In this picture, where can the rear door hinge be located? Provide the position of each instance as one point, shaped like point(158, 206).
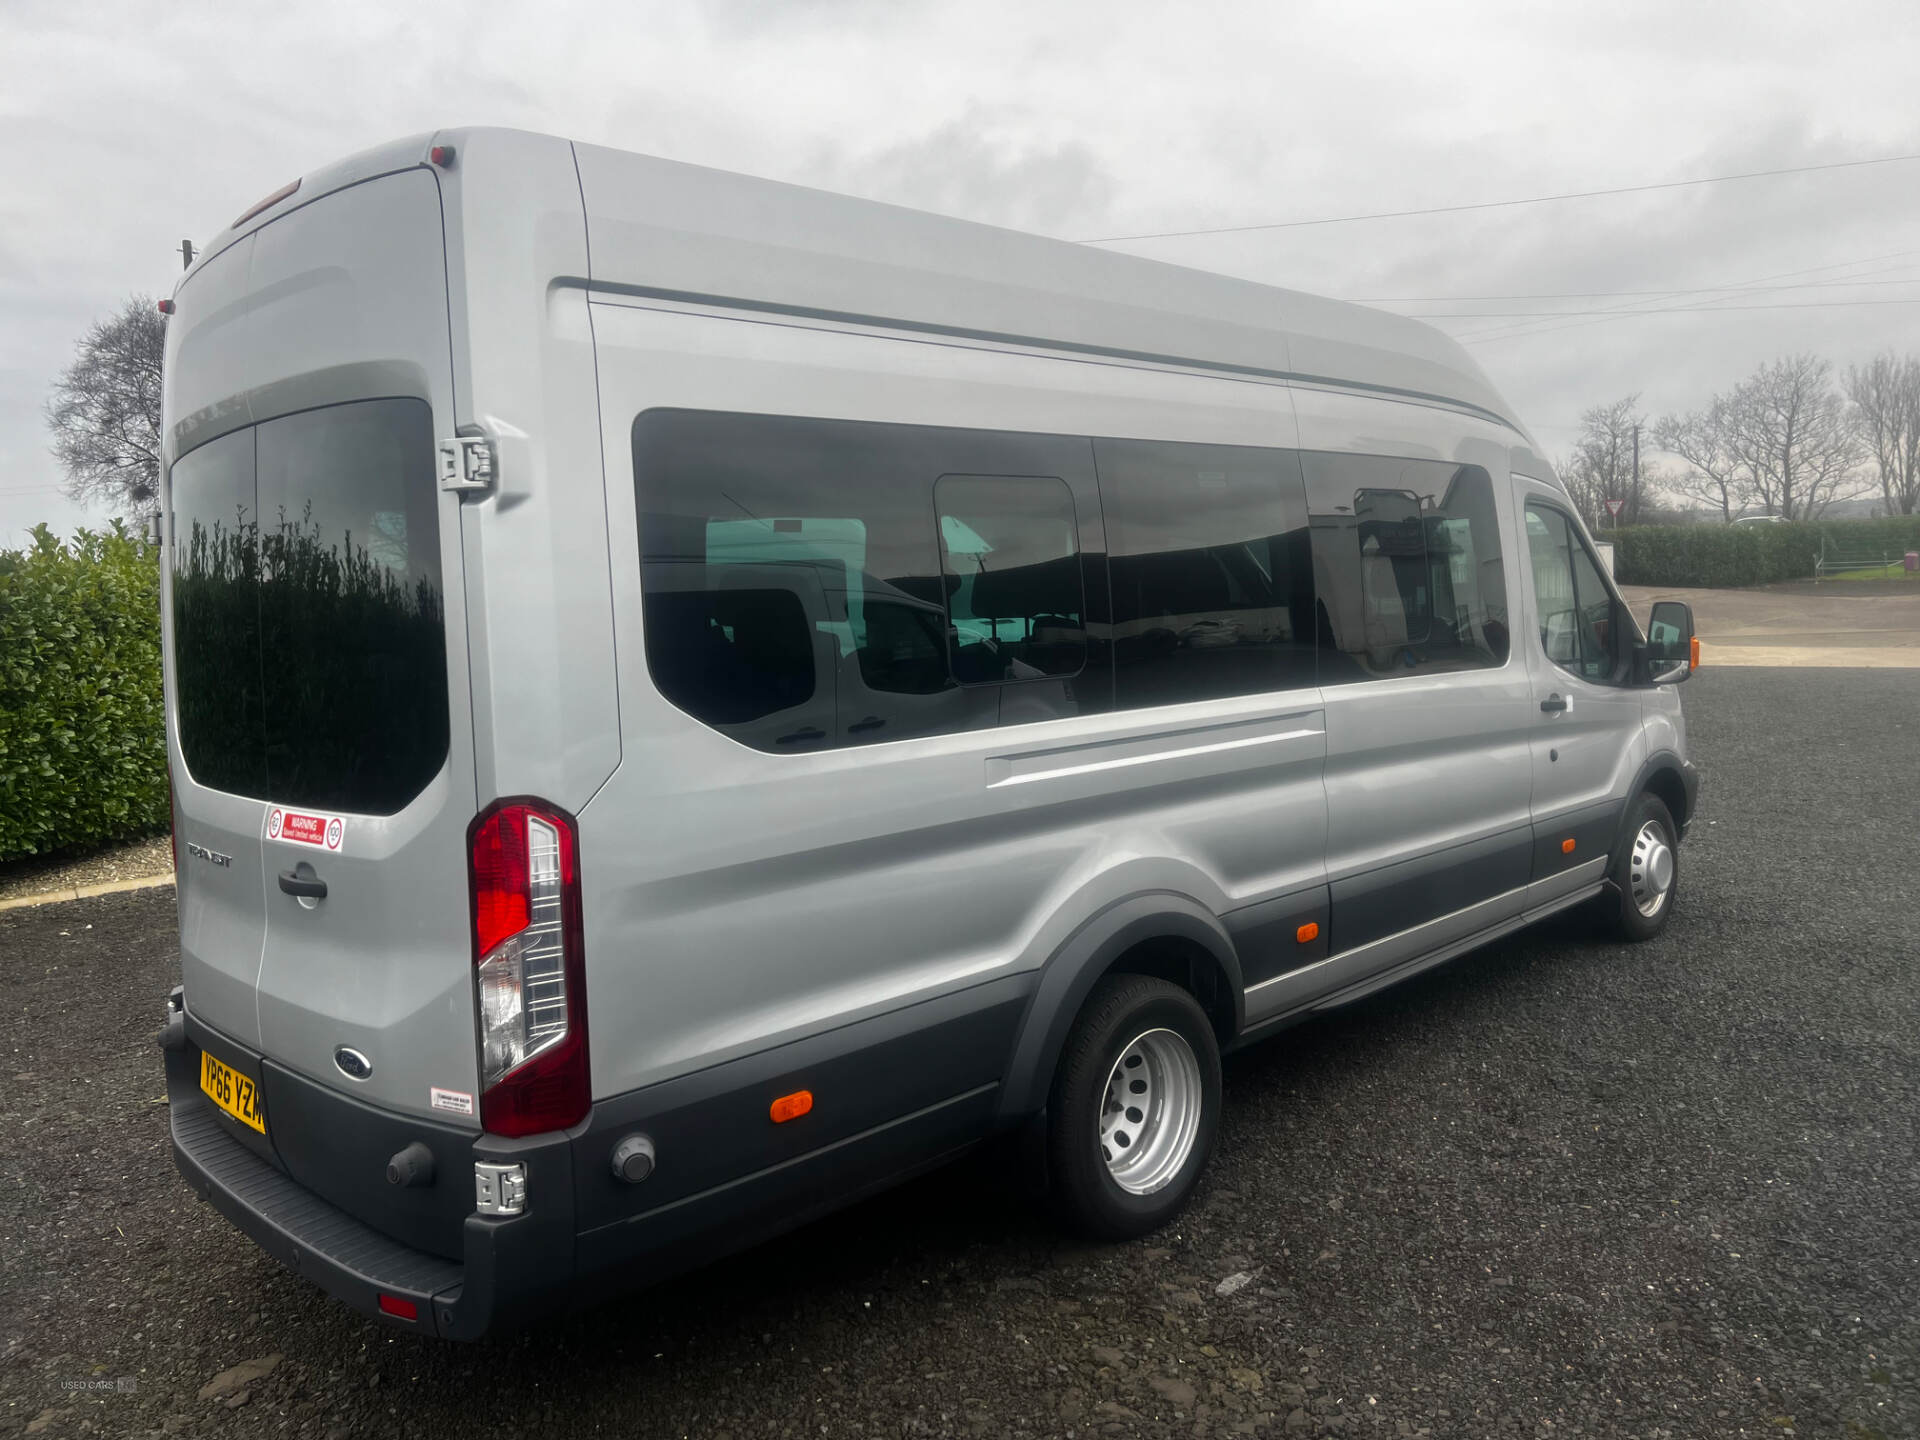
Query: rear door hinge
point(466, 463)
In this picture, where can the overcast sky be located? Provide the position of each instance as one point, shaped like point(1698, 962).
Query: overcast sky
point(125, 127)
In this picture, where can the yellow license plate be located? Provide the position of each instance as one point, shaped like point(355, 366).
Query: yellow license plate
point(232, 1092)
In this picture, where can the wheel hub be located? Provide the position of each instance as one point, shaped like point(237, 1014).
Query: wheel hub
point(1151, 1111)
point(1650, 869)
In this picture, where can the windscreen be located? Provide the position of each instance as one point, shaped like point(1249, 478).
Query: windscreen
point(309, 644)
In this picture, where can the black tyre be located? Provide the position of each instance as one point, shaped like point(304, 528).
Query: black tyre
point(1134, 1108)
point(1645, 872)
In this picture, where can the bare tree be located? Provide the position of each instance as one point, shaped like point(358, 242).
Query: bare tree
point(1604, 465)
point(1794, 438)
point(1782, 439)
point(1886, 412)
point(105, 411)
point(1704, 441)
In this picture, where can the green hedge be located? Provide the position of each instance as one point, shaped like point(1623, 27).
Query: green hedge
point(1712, 554)
point(83, 757)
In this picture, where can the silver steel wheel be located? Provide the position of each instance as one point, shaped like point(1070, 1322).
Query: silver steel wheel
point(1151, 1113)
point(1650, 869)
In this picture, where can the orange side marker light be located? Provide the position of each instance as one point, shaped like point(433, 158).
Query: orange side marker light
point(1694, 649)
point(1307, 932)
point(791, 1107)
point(1566, 847)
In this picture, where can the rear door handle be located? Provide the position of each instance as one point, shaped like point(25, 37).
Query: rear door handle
point(872, 722)
point(300, 885)
point(1555, 705)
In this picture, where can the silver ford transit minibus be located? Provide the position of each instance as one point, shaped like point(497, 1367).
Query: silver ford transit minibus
point(690, 699)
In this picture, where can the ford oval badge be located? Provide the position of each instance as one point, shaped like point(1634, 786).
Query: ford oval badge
point(352, 1063)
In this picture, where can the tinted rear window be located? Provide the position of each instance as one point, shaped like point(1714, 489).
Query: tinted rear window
point(309, 643)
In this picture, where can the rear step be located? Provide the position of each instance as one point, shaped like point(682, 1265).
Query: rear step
point(349, 1260)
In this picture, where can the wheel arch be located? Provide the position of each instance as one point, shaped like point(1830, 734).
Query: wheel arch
point(1665, 774)
point(1160, 933)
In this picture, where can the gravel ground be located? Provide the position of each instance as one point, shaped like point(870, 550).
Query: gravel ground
point(44, 873)
point(1556, 1188)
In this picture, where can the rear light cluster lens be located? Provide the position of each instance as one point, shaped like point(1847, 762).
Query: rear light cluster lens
point(530, 969)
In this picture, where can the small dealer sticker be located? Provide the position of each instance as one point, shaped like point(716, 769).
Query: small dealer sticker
point(302, 827)
point(458, 1101)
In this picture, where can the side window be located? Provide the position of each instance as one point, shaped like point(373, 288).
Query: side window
point(1209, 567)
point(1408, 573)
point(1014, 590)
point(1576, 608)
point(808, 584)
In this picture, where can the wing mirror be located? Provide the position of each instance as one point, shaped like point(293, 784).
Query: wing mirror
point(1671, 651)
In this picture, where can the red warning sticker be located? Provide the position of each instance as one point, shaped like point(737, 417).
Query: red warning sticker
point(301, 827)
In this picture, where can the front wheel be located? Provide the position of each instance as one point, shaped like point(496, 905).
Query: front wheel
point(1646, 871)
point(1134, 1107)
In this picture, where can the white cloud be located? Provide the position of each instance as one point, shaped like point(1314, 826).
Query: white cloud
point(125, 126)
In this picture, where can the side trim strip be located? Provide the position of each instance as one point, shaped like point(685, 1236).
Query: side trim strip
point(809, 1156)
point(1413, 967)
point(1129, 760)
point(1389, 939)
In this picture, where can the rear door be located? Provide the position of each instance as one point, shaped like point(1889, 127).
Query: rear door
point(322, 702)
point(217, 762)
point(362, 791)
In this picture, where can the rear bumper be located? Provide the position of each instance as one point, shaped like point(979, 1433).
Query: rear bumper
point(899, 1093)
point(511, 1269)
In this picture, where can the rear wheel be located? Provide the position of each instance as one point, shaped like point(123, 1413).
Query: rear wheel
point(1134, 1108)
point(1646, 871)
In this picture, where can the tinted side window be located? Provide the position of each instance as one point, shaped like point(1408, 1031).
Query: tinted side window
point(799, 575)
point(1211, 581)
point(1015, 594)
point(1407, 567)
point(216, 616)
point(1576, 608)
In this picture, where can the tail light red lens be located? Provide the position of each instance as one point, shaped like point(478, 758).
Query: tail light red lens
point(529, 968)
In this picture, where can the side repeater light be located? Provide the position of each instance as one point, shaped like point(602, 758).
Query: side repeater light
point(791, 1107)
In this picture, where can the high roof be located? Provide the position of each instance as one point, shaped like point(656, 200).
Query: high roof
point(662, 227)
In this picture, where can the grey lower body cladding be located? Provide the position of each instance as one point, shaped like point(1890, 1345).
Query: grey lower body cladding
point(893, 1095)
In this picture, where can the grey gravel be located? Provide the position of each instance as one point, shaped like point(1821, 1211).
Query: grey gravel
point(1560, 1187)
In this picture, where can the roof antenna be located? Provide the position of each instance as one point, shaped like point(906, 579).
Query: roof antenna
point(186, 254)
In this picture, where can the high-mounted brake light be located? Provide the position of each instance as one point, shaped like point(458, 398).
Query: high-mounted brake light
point(529, 966)
point(267, 204)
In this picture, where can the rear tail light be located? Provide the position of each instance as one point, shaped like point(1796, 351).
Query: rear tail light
point(529, 969)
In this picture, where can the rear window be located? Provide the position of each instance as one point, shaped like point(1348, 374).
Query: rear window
point(309, 644)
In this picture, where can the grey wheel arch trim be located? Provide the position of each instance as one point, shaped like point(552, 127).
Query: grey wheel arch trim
point(1071, 973)
point(1675, 773)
